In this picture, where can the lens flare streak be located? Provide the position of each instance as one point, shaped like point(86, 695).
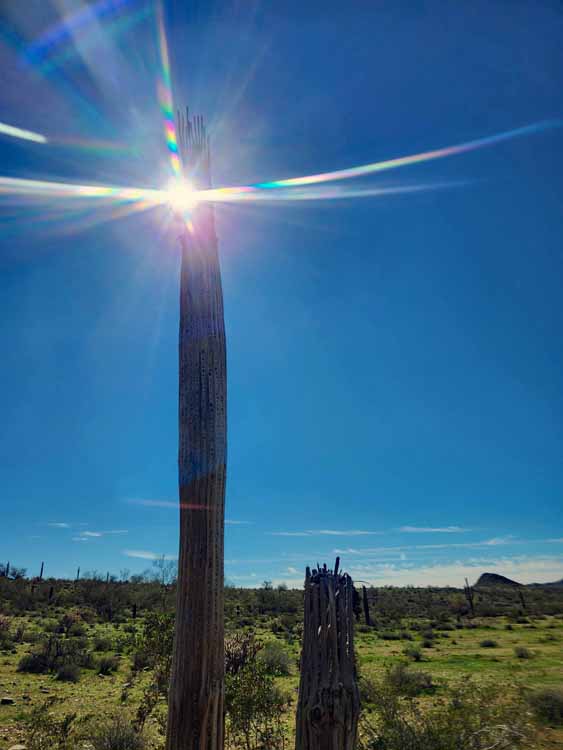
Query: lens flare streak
point(26, 135)
point(294, 189)
point(41, 189)
point(165, 96)
point(405, 161)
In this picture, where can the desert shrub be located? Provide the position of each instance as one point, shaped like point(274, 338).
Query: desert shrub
point(107, 664)
point(255, 709)
point(414, 653)
point(402, 680)
point(521, 652)
point(68, 673)
point(388, 635)
point(102, 643)
point(6, 638)
point(427, 643)
point(55, 652)
point(153, 645)
point(240, 650)
point(508, 626)
point(547, 705)
point(275, 658)
point(488, 643)
point(474, 716)
point(77, 629)
point(117, 734)
point(47, 731)
point(34, 663)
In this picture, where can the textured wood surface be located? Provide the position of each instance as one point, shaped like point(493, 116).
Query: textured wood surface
point(195, 715)
point(329, 701)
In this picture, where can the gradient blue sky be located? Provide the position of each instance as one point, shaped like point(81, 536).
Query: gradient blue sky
point(395, 363)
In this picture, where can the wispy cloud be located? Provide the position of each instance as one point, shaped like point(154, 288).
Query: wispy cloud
point(153, 503)
point(59, 525)
point(98, 534)
point(147, 555)
point(433, 529)
point(291, 570)
point(325, 532)
point(174, 504)
point(346, 532)
point(523, 569)
point(494, 542)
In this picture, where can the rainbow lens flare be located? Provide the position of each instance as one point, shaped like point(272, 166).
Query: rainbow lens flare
point(165, 96)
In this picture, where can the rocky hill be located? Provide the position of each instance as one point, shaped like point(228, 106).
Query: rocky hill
point(494, 579)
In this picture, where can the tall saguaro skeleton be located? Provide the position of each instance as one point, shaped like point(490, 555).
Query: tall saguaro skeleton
point(195, 713)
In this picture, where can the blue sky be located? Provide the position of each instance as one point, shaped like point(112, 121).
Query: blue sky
point(395, 362)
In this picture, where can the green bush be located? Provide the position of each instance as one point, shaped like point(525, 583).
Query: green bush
point(6, 637)
point(405, 681)
point(547, 705)
point(33, 663)
point(117, 734)
point(474, 716)
point(413, 653)
point(107, 664)
point(47, 731)
point(102, 643)
point(488, 643)
point(255, 709)
point(68, 673)
point(275, 659)
point(388, 635)
point(523, 653)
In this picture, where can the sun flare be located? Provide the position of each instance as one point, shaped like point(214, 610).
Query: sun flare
point(181, 195)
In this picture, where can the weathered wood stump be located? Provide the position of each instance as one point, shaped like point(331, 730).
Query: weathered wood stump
point(329, 701)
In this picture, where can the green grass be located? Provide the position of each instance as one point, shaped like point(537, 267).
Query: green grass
point(450, 659)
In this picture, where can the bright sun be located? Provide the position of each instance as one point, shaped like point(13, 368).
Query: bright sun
point(181, 195)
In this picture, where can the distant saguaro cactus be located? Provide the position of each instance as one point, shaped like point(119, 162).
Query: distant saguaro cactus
point(329, 700)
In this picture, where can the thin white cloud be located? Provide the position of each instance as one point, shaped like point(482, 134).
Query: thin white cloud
point(147, 555)
point(59, 525)
point(292, 570)
point(325, 532)
point(348, 532)
point(153, 503)
point(433, 529)
point(522, 569)
point(98, 534)
point(148, 503)
point(79, 539)
point(494, 542)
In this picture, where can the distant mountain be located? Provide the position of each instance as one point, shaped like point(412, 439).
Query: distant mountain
point(551, 583)
point(494, 579)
